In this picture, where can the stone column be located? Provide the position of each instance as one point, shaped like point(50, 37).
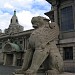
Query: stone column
point(14, 59)
point(26, 44)
point(23, 42)
point(55, 14)
point(5, 57)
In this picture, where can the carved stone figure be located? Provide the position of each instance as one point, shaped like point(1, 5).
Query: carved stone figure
point(42, 45)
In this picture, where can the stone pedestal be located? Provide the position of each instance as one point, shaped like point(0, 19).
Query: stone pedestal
point(52, 74)
point(67, 73)
point(19, 74)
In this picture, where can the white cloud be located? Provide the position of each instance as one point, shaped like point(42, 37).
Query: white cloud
point(4, 20)
point(7, 5)
point(26, 9)
point(25, 17)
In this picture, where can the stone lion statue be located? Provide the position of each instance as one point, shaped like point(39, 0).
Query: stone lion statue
point(42, 45)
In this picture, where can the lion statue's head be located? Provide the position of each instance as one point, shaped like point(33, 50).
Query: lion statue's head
point(39, 21)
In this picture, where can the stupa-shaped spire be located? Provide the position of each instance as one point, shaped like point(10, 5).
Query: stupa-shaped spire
point(14, 19)
point(15, 12)
point(14, 26)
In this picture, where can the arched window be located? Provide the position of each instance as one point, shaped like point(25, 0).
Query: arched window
point(11, 20)
point(16, 21)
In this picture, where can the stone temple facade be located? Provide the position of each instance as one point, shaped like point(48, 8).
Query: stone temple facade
point(14, 41)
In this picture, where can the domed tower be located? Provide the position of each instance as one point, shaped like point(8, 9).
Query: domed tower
point(14, 26)
point(14, 19)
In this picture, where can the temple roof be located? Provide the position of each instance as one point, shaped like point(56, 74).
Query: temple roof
point(9, 47)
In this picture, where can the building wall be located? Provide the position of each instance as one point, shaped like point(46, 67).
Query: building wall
point(67, 37)
point(20, 39)
point(69, 64)
point(1, 54)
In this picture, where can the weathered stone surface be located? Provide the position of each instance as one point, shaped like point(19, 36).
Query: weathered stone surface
point(42, 45)
point(19, 74)
point(68, 73)
point(54, 74)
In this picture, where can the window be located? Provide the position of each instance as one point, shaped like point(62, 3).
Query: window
point(68, 53)
point(21, 42)
point(11, 20)
point(67, 19)
point(16, 21)
point(0, 45)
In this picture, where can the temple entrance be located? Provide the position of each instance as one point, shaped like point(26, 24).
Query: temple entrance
point(9, 59)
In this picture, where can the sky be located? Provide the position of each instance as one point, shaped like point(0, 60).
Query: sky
point(25, 10)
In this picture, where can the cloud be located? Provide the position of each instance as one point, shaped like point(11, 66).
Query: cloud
point(26, 9)
point(7, 5)
point(24, 18)
point(4, 20)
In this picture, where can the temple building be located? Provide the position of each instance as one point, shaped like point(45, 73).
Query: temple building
point(13, 43)
point(63, 13)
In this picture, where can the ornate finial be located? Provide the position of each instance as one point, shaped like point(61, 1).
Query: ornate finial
point(14, 12)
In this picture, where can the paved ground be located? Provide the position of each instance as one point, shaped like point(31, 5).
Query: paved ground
point(7, 70)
